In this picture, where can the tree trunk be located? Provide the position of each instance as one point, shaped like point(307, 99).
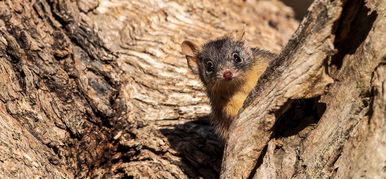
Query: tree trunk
point(319, 110)
point(100, 89)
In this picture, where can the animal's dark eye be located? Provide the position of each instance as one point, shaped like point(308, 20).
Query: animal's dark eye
point(237, 58)
point(209, 66)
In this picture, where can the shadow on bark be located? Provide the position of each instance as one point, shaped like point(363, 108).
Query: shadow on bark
point(352, 29)
point(199, 146)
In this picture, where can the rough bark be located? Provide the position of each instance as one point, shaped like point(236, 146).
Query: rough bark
point(319, 111)
point(100, 89)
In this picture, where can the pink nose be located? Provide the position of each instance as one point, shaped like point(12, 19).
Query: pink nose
point(227, 75)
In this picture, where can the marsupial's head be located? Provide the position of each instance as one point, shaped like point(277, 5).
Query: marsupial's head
point(221, 63)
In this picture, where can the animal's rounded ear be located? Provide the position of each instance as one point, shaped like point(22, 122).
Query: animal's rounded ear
point(238, 35)
point(190, 50)
point(192, 64)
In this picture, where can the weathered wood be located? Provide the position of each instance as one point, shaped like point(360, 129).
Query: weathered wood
point(340, 40)
point(101, 89)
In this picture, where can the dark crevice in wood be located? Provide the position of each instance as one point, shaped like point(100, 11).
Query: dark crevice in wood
point(351, 29)
point(301, 113)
